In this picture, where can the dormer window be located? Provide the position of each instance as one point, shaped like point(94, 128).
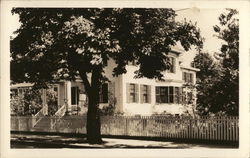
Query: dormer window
point(188, 77)
point(172, 62)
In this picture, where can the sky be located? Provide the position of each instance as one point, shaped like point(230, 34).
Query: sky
point(206, 19)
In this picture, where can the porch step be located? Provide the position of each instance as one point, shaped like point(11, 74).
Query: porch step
point(43, 124)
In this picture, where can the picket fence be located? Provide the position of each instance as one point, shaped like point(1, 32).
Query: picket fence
point(203, 128)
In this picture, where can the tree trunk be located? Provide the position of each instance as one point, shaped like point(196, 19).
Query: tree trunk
point(93, 116)
point(93, 121)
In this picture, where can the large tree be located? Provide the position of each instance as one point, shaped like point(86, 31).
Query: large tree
point(218, 79)
point(228, 32)
point(54, 44)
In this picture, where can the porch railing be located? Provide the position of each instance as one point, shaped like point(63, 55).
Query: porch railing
point(39, 115)
point(58, 115)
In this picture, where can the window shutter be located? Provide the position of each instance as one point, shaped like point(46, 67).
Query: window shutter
point(191, 78)
point(186, 77)
point(174, 65)
point(100, 95)
point(149, 94)
point(105, 92)
point(77, 95)
point(183, 96)
point(176, 94)
point(183, 76)
point(111, 91)
point(141, 93)
point(180, 95)
point(136, 93)
point(73, 95)
point(157, 94)
point(127, 92)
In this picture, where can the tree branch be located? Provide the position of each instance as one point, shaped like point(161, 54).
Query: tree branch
point(86, 83)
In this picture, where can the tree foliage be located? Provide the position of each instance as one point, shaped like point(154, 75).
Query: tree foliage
point(218, 82)
point(27, 103)
point(55, 44)
point(62, 41)
point(228, 31)
point(206, 83)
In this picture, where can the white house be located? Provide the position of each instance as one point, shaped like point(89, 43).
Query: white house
point(132, 96)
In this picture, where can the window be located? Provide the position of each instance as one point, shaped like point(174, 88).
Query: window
point(74, 95)
point(132, 93)
point(103, 97)
point(171, 61)
point(145, 94)
point(168, 95)
point(187, 77)
point(189, 97)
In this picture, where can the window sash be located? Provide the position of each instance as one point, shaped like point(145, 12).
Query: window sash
point(145, 93)
point(132, 93)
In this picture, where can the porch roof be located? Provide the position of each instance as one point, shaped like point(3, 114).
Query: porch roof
point(21, 85)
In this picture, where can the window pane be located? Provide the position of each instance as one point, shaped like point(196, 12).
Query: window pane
point(132, 88)
point(132, 97)
point(145, 88)
point(157, 90)
point(158, 99)
point(171, 94)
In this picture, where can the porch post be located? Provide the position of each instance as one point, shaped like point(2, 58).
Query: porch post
point(68, 96)
point(44, 102)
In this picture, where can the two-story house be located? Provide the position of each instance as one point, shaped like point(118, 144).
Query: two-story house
point(132, 96)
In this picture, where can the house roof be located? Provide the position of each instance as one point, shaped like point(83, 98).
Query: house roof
point(177, 49)
point(190, 68)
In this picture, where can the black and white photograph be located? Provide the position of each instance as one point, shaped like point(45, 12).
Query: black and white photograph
point(125, 78)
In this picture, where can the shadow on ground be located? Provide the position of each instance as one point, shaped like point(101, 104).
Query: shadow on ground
point(50, 141)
